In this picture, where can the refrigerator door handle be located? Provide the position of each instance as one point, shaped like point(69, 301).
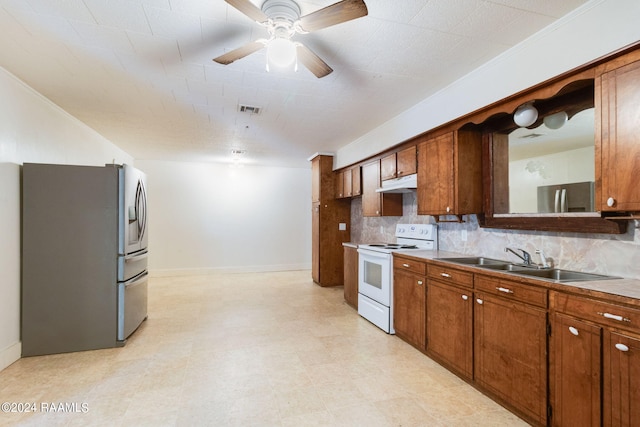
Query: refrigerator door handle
point(563, 201)
point(136, 257)
point(557, 202)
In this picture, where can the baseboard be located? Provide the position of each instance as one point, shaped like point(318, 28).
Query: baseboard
point(10, 354)
point(218, 270)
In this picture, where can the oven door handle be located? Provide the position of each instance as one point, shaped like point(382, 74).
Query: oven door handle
point(374, 254)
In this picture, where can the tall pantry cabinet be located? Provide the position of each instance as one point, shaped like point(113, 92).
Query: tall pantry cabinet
point(330, 224)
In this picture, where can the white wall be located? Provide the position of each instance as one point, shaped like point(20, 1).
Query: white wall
point(207, 217)
point(32, 129)
point(592, 31)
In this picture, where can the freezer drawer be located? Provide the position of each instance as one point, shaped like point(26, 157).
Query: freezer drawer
point(132, 305)
point(132, 265)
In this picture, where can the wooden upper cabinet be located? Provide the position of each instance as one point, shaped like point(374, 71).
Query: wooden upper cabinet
point(322, 178)
point(388, 167)
point(407, 161)
point(356, 181)
point(402, 163)
point(450, 174)
point(348, 183)
point(618, 139)
point(340, 191)
point(374, 203)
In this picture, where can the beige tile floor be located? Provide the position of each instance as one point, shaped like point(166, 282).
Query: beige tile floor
point(269, 349)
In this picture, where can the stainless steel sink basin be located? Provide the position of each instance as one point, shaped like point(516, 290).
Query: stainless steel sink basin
point(505, 267)
point(474, 261)
point(563, 275)
point(556, 274)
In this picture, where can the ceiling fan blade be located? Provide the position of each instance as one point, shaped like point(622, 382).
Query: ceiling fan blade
point(337, 13)
point(240, 52)
point(312, 61)
point(249, 9)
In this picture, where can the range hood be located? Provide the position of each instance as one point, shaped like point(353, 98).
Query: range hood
point(404, 184)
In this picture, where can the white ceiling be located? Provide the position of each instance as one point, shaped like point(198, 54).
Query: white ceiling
point(140, 72)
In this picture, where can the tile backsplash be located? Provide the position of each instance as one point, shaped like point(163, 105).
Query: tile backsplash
point(617, 255)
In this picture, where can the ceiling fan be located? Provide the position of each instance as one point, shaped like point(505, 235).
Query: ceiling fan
point(282, 20)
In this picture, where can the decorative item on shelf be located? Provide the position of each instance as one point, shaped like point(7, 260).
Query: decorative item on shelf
point(556, 121)
point(525, 115)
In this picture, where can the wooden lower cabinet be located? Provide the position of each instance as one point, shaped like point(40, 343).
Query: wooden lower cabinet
point(574, 372)
point(621, 352)
point(510, 353)
point(351, 276)
point(450, 326)
point(594, 365)
point(409, 283)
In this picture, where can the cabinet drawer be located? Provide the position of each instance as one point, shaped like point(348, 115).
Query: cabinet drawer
point(601, 312)
point(410, 265)
point(512, 290)
point(448, 274)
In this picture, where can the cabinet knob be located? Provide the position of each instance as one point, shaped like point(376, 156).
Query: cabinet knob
point(622, 347)
point(419, 282)
point(465, 297)
point(448, 209)
point(479, 301)
point(611, 201)
point(574, 331)
point(377, 212)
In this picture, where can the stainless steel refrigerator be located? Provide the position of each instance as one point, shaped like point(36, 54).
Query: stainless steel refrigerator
point(84, 256)
point(574, 197)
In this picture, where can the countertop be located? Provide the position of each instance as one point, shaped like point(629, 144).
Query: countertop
point(625, 291)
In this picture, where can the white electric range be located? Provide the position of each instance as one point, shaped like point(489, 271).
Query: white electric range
point(375, 271)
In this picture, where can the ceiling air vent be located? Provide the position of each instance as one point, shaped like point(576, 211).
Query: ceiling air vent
point(251, 109)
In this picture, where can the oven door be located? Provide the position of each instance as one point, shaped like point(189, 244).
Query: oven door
point(374, 275)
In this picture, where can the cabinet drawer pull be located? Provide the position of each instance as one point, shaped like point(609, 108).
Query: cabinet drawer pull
point(445, 275)
point(505, 290)
point(406, 265)
point(479, 301)
point(622, 347)
point(574, 331)
point(464, 297)
point(614, 317)
point(419, 282)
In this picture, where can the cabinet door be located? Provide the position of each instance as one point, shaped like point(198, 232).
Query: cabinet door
point(340, 190)
point(407, 161)
point(347, 183)
point(575, 365)
point(619, 144)
point(370, 181)
point(315, 242)
point(449, 326)
point(511, 353)
point(356, 181)
point(408, 307)
point(435, 176)
point(388, 167)
point(621, 380)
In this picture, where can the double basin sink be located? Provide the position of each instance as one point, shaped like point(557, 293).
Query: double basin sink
point(533, 271)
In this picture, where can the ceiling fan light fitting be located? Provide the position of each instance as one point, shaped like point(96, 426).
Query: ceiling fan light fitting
point(281, 53)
